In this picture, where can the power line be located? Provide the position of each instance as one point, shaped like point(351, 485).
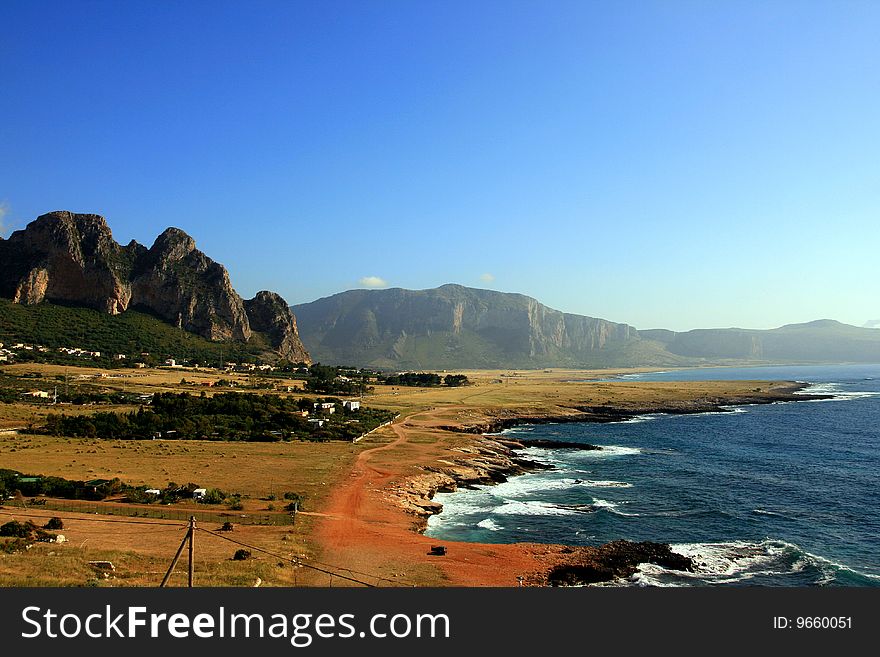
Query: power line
point(179, 526)
point(297, 562)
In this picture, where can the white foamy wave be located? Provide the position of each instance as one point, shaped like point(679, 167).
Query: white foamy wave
point(490, 524)
point(458, 503)
point(600, 505)
point(610, 450)
point(766, 512)
point(532, 508)
point(637, 419)
point(611, 507)
point(736, 562)
point(835, 389)
point(600, 483)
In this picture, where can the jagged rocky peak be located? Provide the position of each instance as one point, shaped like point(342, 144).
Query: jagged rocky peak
point(69, 257)
point(174, 244)
point(269, 313)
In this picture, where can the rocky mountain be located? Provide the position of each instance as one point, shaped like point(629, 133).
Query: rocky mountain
point(822, 340)
point(455, 327)
point(70, 258)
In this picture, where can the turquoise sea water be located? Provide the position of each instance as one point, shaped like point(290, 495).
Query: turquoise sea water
point(781, 494)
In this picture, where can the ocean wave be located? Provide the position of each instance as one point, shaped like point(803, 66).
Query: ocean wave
point(532, 508)
point(610, 450)
point(600, 505)
point(490, 524)
point(766, 512)
point(738, 562)
point(835, 389)
point(527, 484)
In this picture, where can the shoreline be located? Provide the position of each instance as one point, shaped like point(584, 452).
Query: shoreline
point(383, 509)
point(789, 391)
point(495, 457)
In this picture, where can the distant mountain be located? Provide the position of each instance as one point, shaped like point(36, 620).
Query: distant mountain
point(455, 327)
point(73, 259)
point(872, 323)
point(824, 340)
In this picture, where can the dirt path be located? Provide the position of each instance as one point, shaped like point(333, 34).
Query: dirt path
point(364, 529)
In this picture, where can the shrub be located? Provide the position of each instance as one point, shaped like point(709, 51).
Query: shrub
point(241, 555)
point(13, 546)
point(227, 527)
point(54, 523)
point(214, 496)
point(18, 529)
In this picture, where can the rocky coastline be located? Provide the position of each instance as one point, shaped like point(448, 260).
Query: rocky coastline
point(622, 411)
point(491, 459)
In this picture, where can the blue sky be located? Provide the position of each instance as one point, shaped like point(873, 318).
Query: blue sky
point(669, 164)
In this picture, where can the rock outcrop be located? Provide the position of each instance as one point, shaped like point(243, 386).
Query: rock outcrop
point(72, 258)
point(270, 314)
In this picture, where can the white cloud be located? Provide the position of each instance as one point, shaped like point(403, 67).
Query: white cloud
point(487, 277)
point(373, 281)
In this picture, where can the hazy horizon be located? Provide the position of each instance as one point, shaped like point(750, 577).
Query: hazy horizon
point(670, 165)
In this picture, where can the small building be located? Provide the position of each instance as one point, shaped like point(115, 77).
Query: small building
point(320, 423)
point(153, 491)
point(199, 493)
point(120, 357)
point(39, 394)
point(351, 405)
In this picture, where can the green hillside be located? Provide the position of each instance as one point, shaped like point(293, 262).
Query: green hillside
point(130, 333)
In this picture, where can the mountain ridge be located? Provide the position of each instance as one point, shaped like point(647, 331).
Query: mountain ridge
point(454, 326)
point(66, 257)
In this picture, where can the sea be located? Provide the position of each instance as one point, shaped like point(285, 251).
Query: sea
point(783, 494)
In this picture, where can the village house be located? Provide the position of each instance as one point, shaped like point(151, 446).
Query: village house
point(325, 407)
point(351, 405)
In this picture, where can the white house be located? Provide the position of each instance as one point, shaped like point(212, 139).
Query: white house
point(199, 493)
point(153, 491)
point(351, 405)
point(320, 423)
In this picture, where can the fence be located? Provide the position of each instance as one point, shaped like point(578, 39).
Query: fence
point(157, 511)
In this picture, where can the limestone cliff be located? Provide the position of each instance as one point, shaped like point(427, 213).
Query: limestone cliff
point(72, 258)
point(458, 327)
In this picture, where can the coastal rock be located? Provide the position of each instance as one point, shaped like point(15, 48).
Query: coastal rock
point(483, 462)
point(618, 559)
point(71, 258)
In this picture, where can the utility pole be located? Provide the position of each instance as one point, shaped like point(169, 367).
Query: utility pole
point(187, 539)
point(192, 533)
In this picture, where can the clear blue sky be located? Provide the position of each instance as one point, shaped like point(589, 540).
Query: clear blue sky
point(669, 164)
